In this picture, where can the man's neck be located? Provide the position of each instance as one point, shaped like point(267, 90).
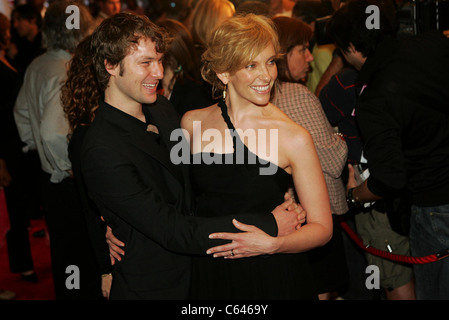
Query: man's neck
point(133, 109)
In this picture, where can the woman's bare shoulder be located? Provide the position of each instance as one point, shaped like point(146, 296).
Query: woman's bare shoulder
point(293, 139)
point(197, 115)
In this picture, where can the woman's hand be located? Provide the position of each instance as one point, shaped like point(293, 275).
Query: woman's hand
point(115, 252)
point(106, 283)
point(252, 242)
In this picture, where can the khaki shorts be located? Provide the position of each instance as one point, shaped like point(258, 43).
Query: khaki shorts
point(374, 229)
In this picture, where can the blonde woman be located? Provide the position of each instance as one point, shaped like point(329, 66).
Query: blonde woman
point(228, 176)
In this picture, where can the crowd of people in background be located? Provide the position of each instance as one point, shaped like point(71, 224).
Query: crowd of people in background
point(361, 113)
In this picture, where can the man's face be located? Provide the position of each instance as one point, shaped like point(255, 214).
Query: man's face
point(22, 26)
point(134, 81)
point(110, 7)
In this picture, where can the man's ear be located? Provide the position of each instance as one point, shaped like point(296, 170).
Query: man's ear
point(113, 70)
point(224, 77)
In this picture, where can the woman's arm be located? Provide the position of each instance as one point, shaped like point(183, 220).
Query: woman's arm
point(312, 193)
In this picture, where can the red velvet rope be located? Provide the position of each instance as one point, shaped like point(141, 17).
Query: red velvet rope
point(391, 256)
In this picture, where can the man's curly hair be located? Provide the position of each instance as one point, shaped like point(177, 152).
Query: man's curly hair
point(111, 42)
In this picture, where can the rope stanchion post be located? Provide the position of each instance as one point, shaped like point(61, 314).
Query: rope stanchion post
point(391, 256)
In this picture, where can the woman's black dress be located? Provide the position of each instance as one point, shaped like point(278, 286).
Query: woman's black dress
point(223, 189)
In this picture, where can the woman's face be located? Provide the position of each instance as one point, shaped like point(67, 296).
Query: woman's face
point(298, 60)
point(253, 83)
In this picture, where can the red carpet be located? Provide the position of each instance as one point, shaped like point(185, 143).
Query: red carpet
point(40, 249)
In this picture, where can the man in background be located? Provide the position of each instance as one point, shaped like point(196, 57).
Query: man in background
point(402, 115)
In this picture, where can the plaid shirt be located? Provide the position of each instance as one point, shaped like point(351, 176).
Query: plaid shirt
point(303, 107)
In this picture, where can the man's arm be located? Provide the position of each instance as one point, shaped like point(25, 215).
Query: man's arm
point(334, 67)
point(380, 129)
point(117, 248)
point(116, 188)
point(22, 119)
point(54, 129)
point(360, 193)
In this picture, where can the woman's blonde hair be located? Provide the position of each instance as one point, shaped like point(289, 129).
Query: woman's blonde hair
point(235, 43)
point(205, 17)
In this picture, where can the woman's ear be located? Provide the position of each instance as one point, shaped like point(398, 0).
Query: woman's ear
point(224, 77)
point(111, 69)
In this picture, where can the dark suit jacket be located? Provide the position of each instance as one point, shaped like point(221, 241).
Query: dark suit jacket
point(147, 202)
point(96, 227)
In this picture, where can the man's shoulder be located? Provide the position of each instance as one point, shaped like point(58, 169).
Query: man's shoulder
point(347, 78)
point(161, 106)
point(103, 128)
point(49, 65)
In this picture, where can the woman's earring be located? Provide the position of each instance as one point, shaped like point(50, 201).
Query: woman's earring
point(224, 91)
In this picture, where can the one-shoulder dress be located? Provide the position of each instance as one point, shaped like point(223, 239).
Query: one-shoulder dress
point(231, 188)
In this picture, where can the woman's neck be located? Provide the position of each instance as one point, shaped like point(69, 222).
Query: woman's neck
point(238, 110)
